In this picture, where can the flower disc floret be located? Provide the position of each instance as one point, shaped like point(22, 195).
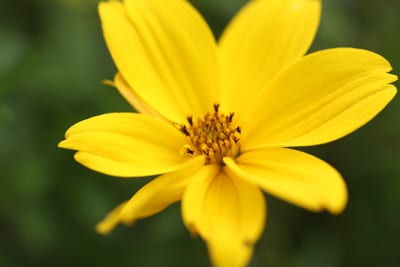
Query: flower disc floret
point(215, 136)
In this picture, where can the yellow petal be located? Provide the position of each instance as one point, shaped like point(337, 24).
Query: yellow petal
point(161, 192)
point(111, 220)
point(151, 198)
point(166, 52)
point(294, 176)
point(324, 96)
point(228, 213)
point(263, 38)
point(130, 95)
point(191, 204)
point(126, 144)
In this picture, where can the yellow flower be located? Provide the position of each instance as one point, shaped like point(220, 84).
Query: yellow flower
point(217, 118)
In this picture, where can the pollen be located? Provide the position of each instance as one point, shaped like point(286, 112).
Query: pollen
point(216, 135)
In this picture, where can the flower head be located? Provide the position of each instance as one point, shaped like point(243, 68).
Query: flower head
point(217, 118)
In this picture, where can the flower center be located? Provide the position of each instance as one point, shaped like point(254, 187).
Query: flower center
point(215, 136)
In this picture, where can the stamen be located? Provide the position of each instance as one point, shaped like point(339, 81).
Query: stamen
point(190, 120)
point(231, 116)
point(189, 151)
point(215, 136)
point(184, 130)
point(216, 108)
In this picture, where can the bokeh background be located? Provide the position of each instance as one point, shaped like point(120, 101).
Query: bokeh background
point(52, 61)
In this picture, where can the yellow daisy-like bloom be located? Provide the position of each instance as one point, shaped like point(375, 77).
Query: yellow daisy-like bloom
point(217, 118)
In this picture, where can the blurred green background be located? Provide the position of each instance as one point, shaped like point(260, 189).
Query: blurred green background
point(52, 61)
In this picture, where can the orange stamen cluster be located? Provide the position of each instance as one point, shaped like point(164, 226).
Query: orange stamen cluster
point(215, 136)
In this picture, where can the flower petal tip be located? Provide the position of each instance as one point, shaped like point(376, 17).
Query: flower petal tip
point(108, 83)
point(108, 224)
point(111, 220)
point(234, 254)
point(337, 202)
point(339, 207)
point(62, 144)
point(103, 228)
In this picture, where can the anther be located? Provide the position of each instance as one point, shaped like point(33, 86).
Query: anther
point(238, 129)
point(184, 130)
point(231, 116)
point(190, 120)
point(216, 108)
point(189, 151)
